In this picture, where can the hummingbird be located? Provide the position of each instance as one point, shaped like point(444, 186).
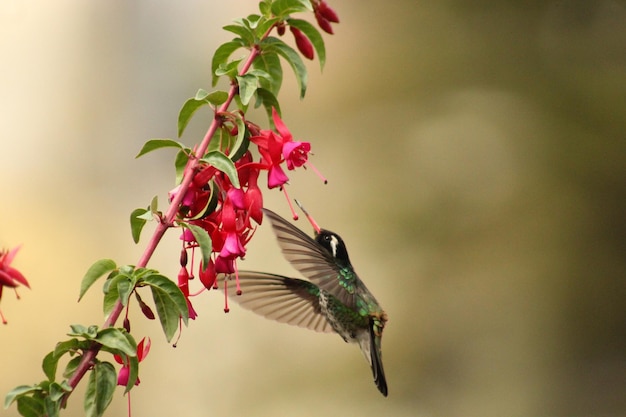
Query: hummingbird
point(332, 298)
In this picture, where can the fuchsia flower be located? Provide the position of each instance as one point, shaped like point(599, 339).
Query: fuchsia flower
point(9, 276)
point(143, 348)
point(228, 217)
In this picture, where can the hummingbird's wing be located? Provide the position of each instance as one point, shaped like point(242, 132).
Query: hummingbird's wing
point(313, 261)
point(286, 300)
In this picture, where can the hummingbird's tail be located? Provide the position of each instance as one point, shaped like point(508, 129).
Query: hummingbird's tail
point(376, 360)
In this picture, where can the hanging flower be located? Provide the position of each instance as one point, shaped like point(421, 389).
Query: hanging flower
point(9, 276)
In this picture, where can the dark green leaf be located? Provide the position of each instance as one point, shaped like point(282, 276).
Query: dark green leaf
point(111, 294)
point(180, 163)
point(18, 392)
point(49, 366)
point(241, 143)
point(292, 57)
point(30, 407)
point(204, 240)
point(314, 36)
point(282, 8)
point(94, 272)
point(57, 391)
point(224, 164)
point(268, 100)
point(116, 340)
point(247, 86)
point(169, 301)
point(153, 144)
point(71, 366)
point(100, 389)
point(133, 373)
point(221, 55)
point(52, 407)
point(187, 111)
point(270, 64)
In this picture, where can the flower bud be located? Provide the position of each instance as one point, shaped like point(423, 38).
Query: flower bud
point(304, 44)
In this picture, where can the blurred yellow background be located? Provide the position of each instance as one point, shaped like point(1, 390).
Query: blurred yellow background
point(476, 164)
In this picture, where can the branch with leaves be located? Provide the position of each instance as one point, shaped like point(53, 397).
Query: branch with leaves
point(216, 205)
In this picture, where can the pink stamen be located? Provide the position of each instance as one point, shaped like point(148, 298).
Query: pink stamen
point(239, 292)
point(226, 309)
point(319, 174)
point(200, 291)
point(4, 321)
point(308, 216)
point(293, 211)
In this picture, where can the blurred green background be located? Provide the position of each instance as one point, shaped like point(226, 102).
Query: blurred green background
point(476, 162)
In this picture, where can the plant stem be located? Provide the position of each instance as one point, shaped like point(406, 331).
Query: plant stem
point(166, 222)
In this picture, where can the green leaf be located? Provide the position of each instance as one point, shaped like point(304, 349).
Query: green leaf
point(78, 330)
point(52, 407)
point(270, 64)
point(217, 97)
point(314, 36)
point(272, 44)
point(187, 111)
point(204, 240)
point(153, 144)
point(268, 100)
point(170, 303)
point(117, 340)
point(18, 392)
point(133, 373)
point(224, 164)
point(230, 69)
point(62, 348)
point(265, 7)
point(137, 222)
point(221, 55)
point(247, 86)
point(94, 272)
point(100, 389)
point(246, 35)
point(118, 288)
point(57, 391)
point(49, 366)
point(264, 25)
point(282, 8)
point(71, 366)
point(242, 142)
point(180, 162)
point(30, 406)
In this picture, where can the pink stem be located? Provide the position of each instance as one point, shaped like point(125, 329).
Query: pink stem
point(166, 222)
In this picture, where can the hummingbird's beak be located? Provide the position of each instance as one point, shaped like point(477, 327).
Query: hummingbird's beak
point(308, 216)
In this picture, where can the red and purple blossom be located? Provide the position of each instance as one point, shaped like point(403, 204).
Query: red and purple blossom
point(9, 276)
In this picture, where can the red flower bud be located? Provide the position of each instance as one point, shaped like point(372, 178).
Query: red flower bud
point(327, 12)
point(324, 23)
point(280, 28)
point(304, 44)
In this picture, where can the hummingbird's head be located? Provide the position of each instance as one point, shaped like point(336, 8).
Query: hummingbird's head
point(333, 243)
